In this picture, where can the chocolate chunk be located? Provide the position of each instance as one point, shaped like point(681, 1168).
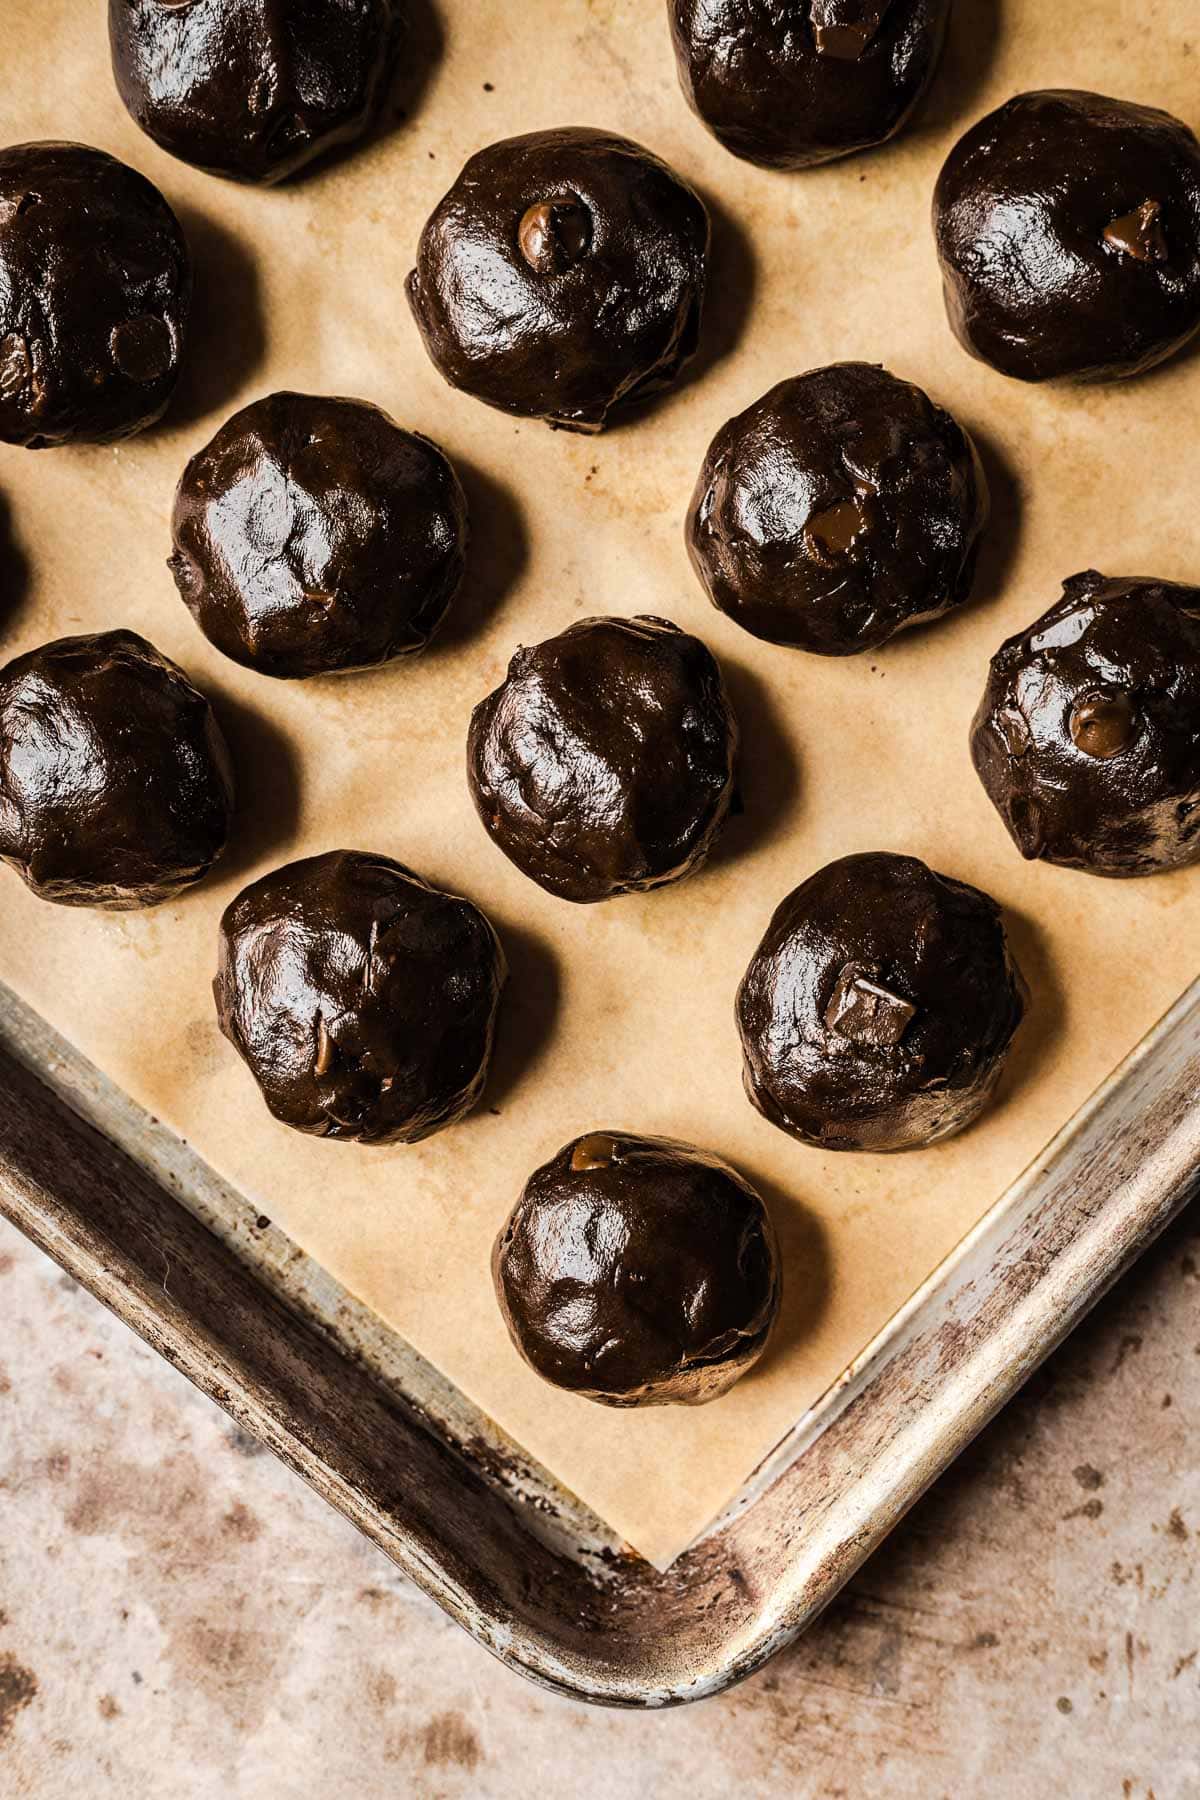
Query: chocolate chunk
point(1106, 685)
point(604, 763)
point(313, 535)
point(640, 1277)
point(561, 276)
point(840, 508)
point(1139, 233)
point(362, 999)
point(791, 86)
point(879, 1008)
point(95, 292)
point(1068, 229)
point(116, 788)
point(253, 89)
point(866, 1012)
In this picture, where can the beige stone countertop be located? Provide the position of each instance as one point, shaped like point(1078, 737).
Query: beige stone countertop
point(180, 1617)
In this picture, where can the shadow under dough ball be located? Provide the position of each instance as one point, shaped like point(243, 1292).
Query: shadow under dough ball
point(116, 787)
point(313, 535)
point(95, 292)
point(879, 1008)
point(1087, 739)
point(605, 761)
point(793, 83)
point(837, 510)
point(562, 275)
point(1068, 230)
point(362, 999)
point(252, 89)
point(638, 1272)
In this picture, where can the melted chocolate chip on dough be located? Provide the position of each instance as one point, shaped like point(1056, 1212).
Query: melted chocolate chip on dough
point(879, 1008)
point(562, 275)
point(252, 89)
point(839, 509)
point(638, 1272)
point(1068, 228)
point(802, 82)
point(604, 763)
point(362, 999)
point(1087, 739)
point(313, 535)
point(95, 292)
point(116, 788)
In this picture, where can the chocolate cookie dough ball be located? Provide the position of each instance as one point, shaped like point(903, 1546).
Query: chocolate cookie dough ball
point(313, 535)
point(95, 291)
point(638, 1272)
point(792, 83)
point(604, 763)
point(1068, 229)
point(116, 788)
point(362, 999)
point(1087, 739)
point(879, 1008)
point(252, 88)
point(837, 510)
point(562, 275)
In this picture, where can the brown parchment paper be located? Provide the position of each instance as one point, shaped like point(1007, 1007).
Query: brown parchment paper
point(619, 1015)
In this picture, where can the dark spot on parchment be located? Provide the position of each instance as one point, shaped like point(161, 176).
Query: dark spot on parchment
point(1184, 1663)
point(1091, 1509)
point(1130, 1344)
point(107, 1707)
point(18, 1686)
point(984, 1640)
point(1063, 1704)
point(5, 1383)
point(1088, 1477)
point(1176, 1526)
point(448, 1741)
point(6, 1263)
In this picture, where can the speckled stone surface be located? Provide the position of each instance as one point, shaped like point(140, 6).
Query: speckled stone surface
point(180, 1617)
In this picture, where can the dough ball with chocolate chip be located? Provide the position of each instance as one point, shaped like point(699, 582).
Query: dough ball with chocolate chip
point(879, 1008)
point(313, 535)
point(604, 763)
point(1087, 739)
point(362, 999)
point(116, 787)
point(792, 83)
point(252, 88)
point(562, 275)
point(837, 510)
point(95, 291)
point(1068, 229)
point(638, 1272)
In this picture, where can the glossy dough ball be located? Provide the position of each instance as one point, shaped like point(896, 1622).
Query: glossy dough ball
point(562, 275)
point(362, 999)
point(837, 510)
point(1068, 228)
point(604, 763)
point(791, 83)
point(95, 291)
point(638, 1272)
point(1088, 735)
point(116, 788)
point(879, 1008)
point(252, 88)
point(314, 535)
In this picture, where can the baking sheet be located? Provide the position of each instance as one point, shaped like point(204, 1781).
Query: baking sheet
point(620, 1015)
